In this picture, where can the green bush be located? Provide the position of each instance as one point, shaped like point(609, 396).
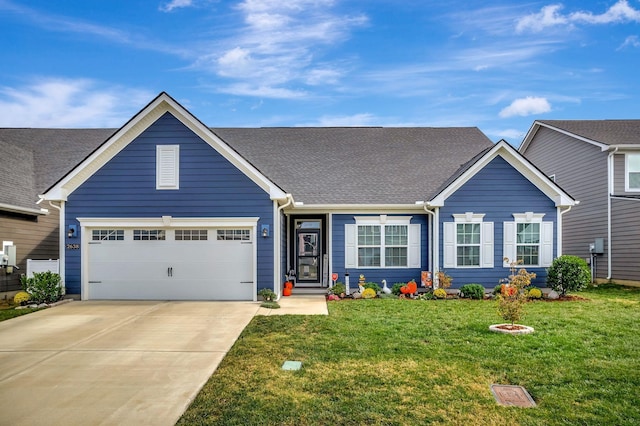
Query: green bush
point(44, 287)
point(267, 294)
point(396, 288)
point(568, 273)
point(337, 289)
point(472, 291)
point(374, 286)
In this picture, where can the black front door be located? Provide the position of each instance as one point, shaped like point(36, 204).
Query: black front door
point(308, 252)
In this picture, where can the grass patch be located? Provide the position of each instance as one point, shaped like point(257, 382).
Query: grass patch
point(8, 312)
point(403, 362)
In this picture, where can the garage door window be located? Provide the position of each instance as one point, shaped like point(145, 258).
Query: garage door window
point(191, 235)
point(107, 235)
point(234, 235)
point(148, 234)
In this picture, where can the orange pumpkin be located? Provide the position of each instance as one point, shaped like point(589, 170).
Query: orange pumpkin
point(286, 292)
point(288, 284)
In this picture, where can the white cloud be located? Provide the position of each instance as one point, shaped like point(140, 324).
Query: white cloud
point(550, 16)
point(355, 120)
point(526, 106)
point(175, 4)
point(52, 102)
point(631, 41)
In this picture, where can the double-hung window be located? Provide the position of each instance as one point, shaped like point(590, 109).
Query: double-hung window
point(382, 242)
point(528, 240)
point(468, 242)
point(632, 177)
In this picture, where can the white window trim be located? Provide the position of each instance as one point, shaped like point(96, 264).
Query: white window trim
point(450, 241)
point(545, 254)
point(413, 241)
point(167, 167)
point(627, 188)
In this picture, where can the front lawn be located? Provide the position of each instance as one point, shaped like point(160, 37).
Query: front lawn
point(405, 362)
point(8, 312)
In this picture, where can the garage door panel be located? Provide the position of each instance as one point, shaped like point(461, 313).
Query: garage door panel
point(171, 270)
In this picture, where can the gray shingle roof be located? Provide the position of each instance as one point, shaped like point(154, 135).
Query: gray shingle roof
point(609, 132)
point(34, 159)
point(370, 165)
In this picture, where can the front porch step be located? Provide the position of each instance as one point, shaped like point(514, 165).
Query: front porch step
point(309, 290)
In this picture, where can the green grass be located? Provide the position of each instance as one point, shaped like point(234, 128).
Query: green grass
point(403, 362)
point(8, 312)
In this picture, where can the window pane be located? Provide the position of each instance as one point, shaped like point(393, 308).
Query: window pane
point(528, 233)
point(395, 235)
point(148, 234)
point(468, 255)
point(468, 233)
point(528, 254)
point(633, 161)
point(368, 235)
point(368, 256)
point(395, 256)
point(634, 180)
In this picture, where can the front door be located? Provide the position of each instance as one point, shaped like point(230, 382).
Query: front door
point(308, 252)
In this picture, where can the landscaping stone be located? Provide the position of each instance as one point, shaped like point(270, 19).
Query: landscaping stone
point(553, 295)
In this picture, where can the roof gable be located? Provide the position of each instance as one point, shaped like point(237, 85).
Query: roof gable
point(517, 161)
point(605, 134)
point(161, 105)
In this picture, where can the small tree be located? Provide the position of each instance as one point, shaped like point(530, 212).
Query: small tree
point(568, 273)
point(512, 295)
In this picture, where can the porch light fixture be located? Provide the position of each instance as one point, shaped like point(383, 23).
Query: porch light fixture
point(264, 229)
point(72, 231)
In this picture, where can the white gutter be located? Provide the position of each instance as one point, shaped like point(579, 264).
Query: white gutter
point(609, 195)
point(430, 260)
point(277, 275)
point(560, 214)
point(23, 210)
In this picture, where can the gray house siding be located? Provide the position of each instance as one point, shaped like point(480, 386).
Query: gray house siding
point(580, 169)
point(625, 239)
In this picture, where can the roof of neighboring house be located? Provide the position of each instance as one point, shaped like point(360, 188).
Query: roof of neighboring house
point(606, 132)
point(33, 159)
point(363, 165)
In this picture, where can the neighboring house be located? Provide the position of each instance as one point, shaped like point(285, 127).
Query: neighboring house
point(31, 160)
point(597, 161)
point(168, 208)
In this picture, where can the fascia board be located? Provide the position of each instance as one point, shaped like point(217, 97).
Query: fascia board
point(602, 146)
point(515, 159)
point(139, 123)
point(23, 210)
point(166, 222)
point(529, 136)
point(355, 208)
point(621, 148)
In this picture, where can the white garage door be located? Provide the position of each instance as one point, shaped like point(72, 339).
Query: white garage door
point(170, 264)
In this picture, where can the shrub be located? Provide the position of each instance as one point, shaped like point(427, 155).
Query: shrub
point(374, 286)
point(21, 297)
point(512, 296)
point(44, 287)
point(472, 291)
point(440, 293)
point(534, 293)
point(444, 280)
point(337, 289)
point(568, 273)
point(267, 295)
point(369, 293)
point(427, 295)
point(396, 288)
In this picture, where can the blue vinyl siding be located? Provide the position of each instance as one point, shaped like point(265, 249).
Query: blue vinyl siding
point(210, 186)
point(392, 275)
point(498, 191)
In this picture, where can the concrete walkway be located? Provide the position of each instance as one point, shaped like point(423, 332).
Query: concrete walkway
point(121, 362)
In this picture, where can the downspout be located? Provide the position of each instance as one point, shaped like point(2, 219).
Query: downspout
point(62, 235)
point(562, 212)
point(609, 192)
point(432, 214)
point(278, 245)
point(434, 246)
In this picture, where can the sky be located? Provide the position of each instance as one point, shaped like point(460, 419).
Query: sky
point(492, 64)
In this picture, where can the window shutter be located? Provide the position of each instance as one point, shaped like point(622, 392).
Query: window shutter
point(509, 243)
point(449, 260)
point(350, 251)
point(546, 246)
point(414, 260)
point(167, 166)
point(487, 245)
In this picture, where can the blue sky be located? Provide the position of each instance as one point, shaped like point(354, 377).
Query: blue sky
point(497, 65)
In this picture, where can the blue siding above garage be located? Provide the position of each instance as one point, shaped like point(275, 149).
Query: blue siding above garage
point(498, 191)
point(210, 186)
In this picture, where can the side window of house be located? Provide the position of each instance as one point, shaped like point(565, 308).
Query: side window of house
point(468, 242)
point(632, 177)
point(167, 166)
point(529, 240)
point(382, 242)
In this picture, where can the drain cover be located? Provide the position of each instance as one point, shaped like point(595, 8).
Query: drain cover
point(511, 395)
point(292, 365)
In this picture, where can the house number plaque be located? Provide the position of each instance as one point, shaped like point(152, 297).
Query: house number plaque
point(73, 246)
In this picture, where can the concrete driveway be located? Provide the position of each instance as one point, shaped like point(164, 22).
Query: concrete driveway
point(113, 363)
